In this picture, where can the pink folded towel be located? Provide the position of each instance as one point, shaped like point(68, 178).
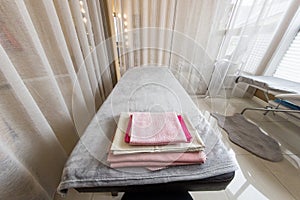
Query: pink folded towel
point(155, 161)
point(187, 157)
point(156, 129)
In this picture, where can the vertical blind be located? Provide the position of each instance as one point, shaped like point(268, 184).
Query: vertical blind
point(289, 65)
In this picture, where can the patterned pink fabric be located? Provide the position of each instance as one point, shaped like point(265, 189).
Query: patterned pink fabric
point(181, 121)
point(155, 129)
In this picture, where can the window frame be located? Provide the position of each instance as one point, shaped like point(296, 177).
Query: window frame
point(284, 44)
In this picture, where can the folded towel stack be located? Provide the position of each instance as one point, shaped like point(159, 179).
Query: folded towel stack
point(155, 129)
point(155, 141)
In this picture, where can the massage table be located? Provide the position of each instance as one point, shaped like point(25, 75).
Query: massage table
point(151, 89)
point(286, 93)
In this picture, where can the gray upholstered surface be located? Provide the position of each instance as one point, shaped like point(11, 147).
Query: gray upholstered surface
point(249, 136)
point(141, 89)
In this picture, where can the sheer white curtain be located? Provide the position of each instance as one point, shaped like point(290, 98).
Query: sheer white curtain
point(55, 73)
point(184, 35)
point(248, 37)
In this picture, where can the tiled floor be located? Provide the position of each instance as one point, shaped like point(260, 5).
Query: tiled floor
point(256, 178)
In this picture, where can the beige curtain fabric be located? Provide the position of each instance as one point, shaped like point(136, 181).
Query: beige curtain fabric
point(55, 73)
point(56, 68)
point(251, 31)
point(184, 35)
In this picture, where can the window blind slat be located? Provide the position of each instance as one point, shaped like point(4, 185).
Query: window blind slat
point(289, 66)
point(291, 58)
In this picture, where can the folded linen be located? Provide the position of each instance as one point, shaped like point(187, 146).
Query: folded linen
point(178, 118)
point(156, 129)
point(127, 134)
point(150, 164)
point(187, 157)
point(119, 146)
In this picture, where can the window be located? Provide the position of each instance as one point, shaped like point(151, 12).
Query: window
point(289, 65)
point(251, 30)
point(285, 62)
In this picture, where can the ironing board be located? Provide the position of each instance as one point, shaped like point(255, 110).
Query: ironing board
point(285, 92)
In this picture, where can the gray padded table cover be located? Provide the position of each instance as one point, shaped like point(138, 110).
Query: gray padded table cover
point(153, 89)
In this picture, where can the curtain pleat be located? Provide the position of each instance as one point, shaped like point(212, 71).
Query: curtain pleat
point(153, 32)
point(161, 39)
point(91, 43)
point(80, 23)
point(71, 38)
point(104, 59)
point(45, 86)
point(137, 41)
point(67, 79)
point(55, 73)
point(20, 115)
point(12, 167)
point(144, 25)
point(182, 35)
